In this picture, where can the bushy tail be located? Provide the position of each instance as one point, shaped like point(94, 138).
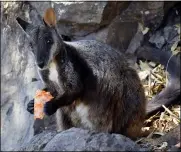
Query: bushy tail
point(169, 61)
point(172, 64)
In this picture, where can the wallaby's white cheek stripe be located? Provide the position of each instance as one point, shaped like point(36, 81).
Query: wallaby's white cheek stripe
point(53, 75)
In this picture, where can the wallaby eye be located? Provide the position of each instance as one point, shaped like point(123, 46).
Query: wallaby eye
point(49, 41)
point(62, 61)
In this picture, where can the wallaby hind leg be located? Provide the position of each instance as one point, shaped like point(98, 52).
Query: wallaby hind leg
point(63, 120)
point(134, 129)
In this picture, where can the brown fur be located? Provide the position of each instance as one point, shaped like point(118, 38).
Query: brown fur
point(113, 117)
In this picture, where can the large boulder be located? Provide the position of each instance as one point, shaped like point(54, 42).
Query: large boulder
point(38, 142)
point(18, 73)
point(125, 26)
point(76, 139)
point(78, 19)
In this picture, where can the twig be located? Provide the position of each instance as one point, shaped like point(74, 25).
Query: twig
point(137, 141)
point(151, 134)
point(162, 115)
point(157, 76)
point(149, 83)
point(167, 68)
point(171, 113)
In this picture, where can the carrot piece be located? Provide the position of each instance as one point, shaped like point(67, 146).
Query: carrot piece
point(41, 97)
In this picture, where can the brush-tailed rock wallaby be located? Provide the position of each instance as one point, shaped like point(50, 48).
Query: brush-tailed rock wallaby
point(93, 85)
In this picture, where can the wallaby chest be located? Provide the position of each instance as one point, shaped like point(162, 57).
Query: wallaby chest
point(79, 114)
point(53, 73)
point(85, 116)
point(53, 77)
point(82, 112)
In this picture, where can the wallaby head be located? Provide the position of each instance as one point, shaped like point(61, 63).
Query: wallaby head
point(44, 39)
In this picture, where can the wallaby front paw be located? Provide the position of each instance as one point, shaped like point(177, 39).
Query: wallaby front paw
point(30, 106)
point(50, 108)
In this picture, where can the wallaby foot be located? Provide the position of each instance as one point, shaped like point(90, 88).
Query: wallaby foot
point(134, 130)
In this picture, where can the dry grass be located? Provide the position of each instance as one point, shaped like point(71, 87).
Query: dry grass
point(154, 80)
point(159, 124)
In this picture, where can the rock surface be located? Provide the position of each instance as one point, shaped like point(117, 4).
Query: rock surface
point(115, 23)
point(17, 88)
point(38, 142)
point(76, 139)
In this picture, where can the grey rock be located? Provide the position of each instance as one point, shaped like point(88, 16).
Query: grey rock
point(38, 142)
point(94, 12)
point(17, 88)
point(100, 35)
point(124, 28)
point(80, 18)
point(158, 40)
point(40, 7)
point(72, 11)
point(76, 139)
point(96, 15)
point(165, 38)
point(167, 34)
point(135, 42)
point(122, 32)
point(172, 137)
point(148, 13)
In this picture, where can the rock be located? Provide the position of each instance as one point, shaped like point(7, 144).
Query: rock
point(72, 11)
point(172, 137)
point(100, 35)
point(38, 142)
point(71, 22)
point(158, 40)
point(171, 9)
point(125, 26)
point(120, 34)
point(39, 7)
point(76, 139)
point(135, 42)
point(17, 71)
point(166, 36)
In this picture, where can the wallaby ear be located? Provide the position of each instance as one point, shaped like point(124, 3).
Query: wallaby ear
point(50, 17)
point(24, 25)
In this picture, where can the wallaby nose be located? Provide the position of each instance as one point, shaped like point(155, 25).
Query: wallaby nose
point(41, 65)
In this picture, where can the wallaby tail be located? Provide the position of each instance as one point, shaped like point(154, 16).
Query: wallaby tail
point(165, 58)
point(166, 97)
point(172, 64)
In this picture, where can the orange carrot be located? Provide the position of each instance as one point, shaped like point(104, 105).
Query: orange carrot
point(41, 98)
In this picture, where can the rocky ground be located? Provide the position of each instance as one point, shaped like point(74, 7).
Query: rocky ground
point(123, 25)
